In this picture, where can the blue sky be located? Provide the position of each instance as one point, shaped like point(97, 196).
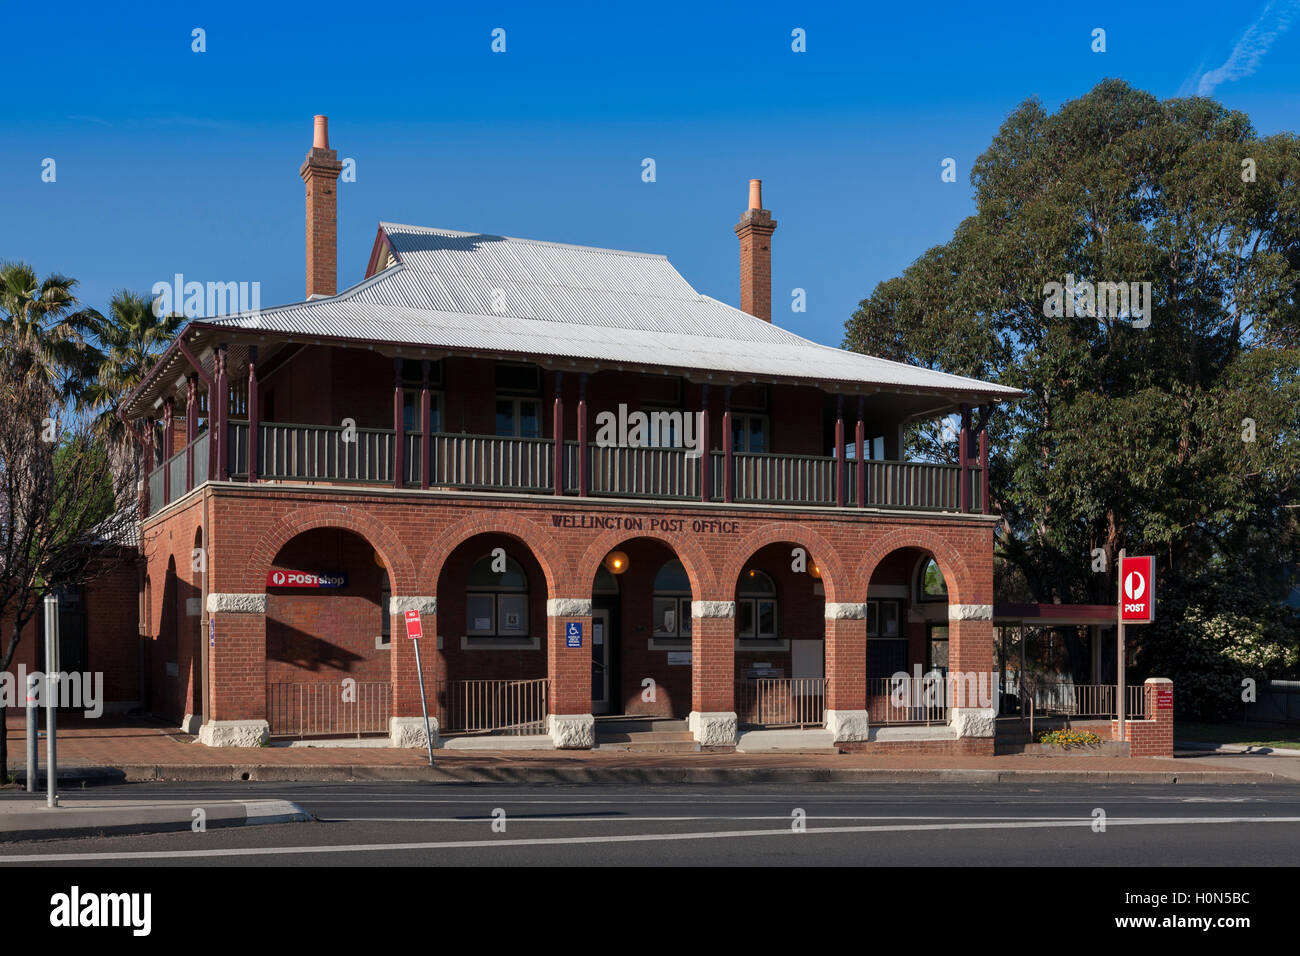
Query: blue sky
point(174, 161)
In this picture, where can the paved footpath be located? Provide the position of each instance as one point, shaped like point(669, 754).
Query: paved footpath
point(146, 750)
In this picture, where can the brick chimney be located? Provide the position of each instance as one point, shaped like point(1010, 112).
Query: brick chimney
point(755, 232)
point(320, 171)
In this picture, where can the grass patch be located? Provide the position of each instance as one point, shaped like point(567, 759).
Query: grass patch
point(1241, 735)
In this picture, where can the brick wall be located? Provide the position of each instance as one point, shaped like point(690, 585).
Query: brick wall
point(427, 541)
point(1153, 737)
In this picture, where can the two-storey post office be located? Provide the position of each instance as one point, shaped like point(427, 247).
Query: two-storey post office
point(607, 495)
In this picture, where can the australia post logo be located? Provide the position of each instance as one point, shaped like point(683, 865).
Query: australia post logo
point(305, 579)
point(1137, 590)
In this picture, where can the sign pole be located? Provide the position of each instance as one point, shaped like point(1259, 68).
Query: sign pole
point(419, 670)
point(33, 720)
point(51, 688)
point(415, 630)
point(1120, 691)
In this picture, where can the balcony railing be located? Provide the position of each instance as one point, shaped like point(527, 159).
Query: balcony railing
point(334, 454)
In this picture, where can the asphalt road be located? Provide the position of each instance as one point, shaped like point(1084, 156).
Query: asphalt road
point(406, 824)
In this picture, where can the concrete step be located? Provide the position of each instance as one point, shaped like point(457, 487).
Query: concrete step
point(642, 737)
point(632, 725)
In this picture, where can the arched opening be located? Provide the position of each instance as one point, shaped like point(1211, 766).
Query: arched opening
point(166, 669)
point(490, 659)
point(191, 659)
point(327, 662)
point(780, 630)
point(907, 640)
point(641, 622)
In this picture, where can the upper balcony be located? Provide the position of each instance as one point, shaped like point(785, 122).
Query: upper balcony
point(339, 455)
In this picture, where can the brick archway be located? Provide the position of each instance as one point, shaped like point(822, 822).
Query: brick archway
point(835, 576)
point(962, 585)
point(527, 533)
point(698, 568)
point(377, 534)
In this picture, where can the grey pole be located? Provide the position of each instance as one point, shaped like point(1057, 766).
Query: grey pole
point(428, 737)
point(1119, 643)
point(51, 690)
point(33, 720)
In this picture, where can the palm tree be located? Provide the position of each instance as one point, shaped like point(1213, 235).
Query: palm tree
point(44, 331)
point(131, 339)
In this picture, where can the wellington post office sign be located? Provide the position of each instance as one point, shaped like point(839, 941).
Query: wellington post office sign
point(305, 579)
point(1137, 598)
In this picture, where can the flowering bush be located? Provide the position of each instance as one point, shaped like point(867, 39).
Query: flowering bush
point(1068, 738)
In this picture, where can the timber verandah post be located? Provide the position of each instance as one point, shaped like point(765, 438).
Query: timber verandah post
point(191, 427)
point(399, 425)
point(963, 460)
point(168, 440)
point(252, 414)
point(557, 432)
point(859, 446)
point(706, 455)
point(728, 456)
point(985, 412)
point(582, 435)
point(218, 410)
point(840, 469)
point(426, 426)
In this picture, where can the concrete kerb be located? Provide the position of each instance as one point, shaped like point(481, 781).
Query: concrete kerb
point(82, 817)
point(1237, 749)
point(330, 773)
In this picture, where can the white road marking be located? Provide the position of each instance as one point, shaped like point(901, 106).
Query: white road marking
point(619, 819)
point(622, 838)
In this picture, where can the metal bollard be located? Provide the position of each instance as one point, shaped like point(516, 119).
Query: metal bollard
point(33, 721)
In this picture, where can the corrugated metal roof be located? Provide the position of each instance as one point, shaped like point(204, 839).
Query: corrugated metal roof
point(470, 291)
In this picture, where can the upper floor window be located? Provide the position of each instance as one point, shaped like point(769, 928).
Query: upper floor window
point(672, 601)
point(749, 433)
point(756, 608)
point(930, 585)
point(519, 418)
point(496, 598)
point(411, 411)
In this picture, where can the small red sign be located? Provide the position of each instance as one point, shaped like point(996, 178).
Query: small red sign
point(1137, 590)
point(414, 629)
point(305, 579)
point(1164, 699)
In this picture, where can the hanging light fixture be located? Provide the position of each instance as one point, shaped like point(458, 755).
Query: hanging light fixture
point(616, 562)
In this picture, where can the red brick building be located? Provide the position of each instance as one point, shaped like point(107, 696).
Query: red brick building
point(605, 493)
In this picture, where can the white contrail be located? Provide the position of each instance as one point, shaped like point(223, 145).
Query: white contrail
point(1254, 43)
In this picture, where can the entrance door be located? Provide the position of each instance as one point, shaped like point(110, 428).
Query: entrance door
point(600, 662)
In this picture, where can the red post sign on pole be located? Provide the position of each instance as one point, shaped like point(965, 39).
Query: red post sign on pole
point(1137, 598)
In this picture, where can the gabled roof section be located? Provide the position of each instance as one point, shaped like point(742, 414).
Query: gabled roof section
point(529, 299)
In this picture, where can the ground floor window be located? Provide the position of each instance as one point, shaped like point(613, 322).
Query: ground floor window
point(496, 598)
